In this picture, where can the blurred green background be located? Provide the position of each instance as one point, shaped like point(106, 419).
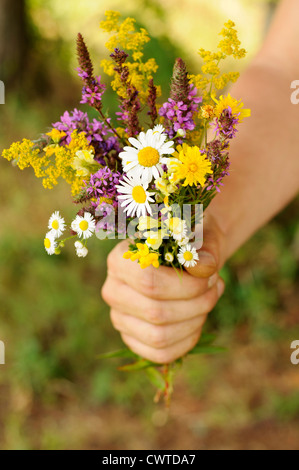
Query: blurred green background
point(54, 393)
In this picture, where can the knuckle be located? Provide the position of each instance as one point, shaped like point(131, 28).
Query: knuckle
point(111, 261)
point(149, 284)
point(154, 314)
point(106, 293)
point(162, 356)
point(157, 337)
point(114, 319)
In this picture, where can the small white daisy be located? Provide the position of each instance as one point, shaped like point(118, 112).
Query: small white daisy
point(81, 250)
point(177, 228)
point(183, 242)
point(188, 256)
point(50, 243)
point(56, 224)
point(135, 197)
point(169, 257)
point(84, 226)
point(159, 129)
point(181, 133)
point(145, 158)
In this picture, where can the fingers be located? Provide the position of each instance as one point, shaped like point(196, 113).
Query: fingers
point(162, 356)
point(125, 299)
point(156, 336)
point(160, 284)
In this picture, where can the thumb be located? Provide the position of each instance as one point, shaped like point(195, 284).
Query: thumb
point(206, 266)
point(208, 263)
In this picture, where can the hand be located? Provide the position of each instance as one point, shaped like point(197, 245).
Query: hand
point(160, 315)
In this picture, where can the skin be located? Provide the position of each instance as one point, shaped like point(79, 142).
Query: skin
point(159, 316)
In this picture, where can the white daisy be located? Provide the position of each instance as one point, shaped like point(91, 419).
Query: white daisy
point(50, 243)
point(183, 242)
point(169, 257)
point(81, 250)
point(177, 228)
point(84, 226)
point(159, 129)
point(56, 224)
point(145, 158)
point(188, 256)
point(135, 197)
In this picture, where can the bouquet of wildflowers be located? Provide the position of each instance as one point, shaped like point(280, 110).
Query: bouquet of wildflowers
point(149, 172)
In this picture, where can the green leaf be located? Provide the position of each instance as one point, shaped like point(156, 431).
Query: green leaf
point(156, 378)
point(119, 353)
point(202, 349)
point(139, 365)
point(207, 338)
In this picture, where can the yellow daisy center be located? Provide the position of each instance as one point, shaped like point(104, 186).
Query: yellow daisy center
point(193, 167)
point(83, 225)
point(47, 243)
point(148, 157)
point(188, 256)
point(139, 194)
point(55, 224)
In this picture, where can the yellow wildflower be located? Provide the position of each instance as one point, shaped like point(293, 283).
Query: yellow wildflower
point(125, 36)
point(236, 106)
point(84, 163)
point(56, 135)
point(230, 44)
point(54, 162)
point(211, 78)
point(144, 256)
point(208, 111)
point(191, 166)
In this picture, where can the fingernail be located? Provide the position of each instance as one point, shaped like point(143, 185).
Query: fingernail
point(220, 288)
point(206, 258)
point(212, 281)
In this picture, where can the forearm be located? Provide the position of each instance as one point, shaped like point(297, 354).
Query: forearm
point(264, 156)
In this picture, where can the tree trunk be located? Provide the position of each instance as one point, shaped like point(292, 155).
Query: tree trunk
point(13, 41)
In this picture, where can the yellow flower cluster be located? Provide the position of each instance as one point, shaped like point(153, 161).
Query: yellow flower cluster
point(144, 256)
point(23, 155)
point(230, 44)
point(53, 162)
point(125, 36)
point(211, 78)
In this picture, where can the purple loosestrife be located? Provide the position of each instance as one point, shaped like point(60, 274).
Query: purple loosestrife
point(151, 102)
point(93, 88)
point(225, 125)
point(130, 105)
point(183, 103)
point(93, 95)
point(217, 153)
point(98, 134)
point(102, 189)
point(102, 186)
